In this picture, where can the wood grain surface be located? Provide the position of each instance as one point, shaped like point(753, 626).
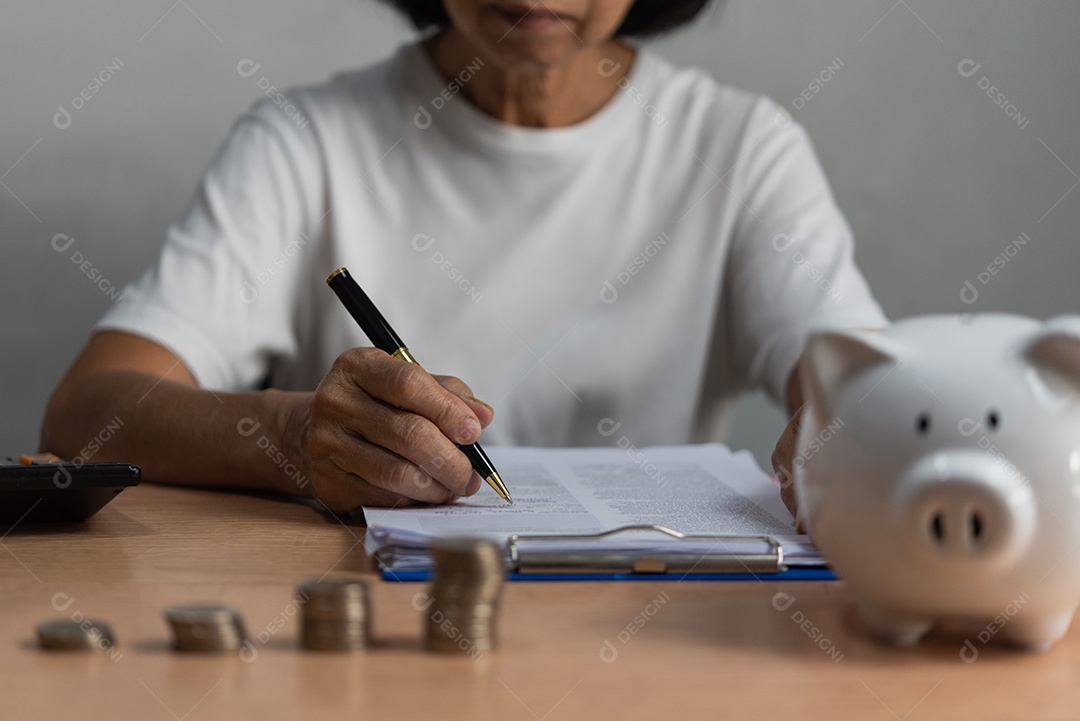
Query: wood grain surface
point(578, 650)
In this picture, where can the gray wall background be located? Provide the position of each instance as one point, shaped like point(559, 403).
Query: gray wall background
point(935, 176)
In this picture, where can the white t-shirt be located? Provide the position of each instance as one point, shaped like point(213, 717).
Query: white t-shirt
point(640, 268)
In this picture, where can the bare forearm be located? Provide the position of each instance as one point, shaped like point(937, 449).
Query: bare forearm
point(178, 433)
point(377, 431)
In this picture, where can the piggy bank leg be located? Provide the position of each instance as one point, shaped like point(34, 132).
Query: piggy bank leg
point(1037, 633)
point(893, 628)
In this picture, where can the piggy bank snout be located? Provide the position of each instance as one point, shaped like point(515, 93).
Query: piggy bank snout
point(964, 509)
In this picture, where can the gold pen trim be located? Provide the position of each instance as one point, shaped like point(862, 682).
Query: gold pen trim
point(335, 274)
point(404, 354)
point(496, 482)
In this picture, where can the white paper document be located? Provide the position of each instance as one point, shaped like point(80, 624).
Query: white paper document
point(695, 489)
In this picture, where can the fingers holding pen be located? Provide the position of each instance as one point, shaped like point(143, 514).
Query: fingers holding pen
point(363, 473)
point(446, 403)
point(417, 441)
point(400, 422)
point(409, 387)
point(348, 470)
point(484, 412)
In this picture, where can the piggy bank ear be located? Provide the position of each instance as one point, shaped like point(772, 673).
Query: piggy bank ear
point(832, 357)
point(1055, 354)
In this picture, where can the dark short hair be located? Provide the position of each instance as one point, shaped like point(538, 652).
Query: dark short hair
point(646, 17)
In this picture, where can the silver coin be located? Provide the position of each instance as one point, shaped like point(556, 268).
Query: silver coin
point(334, 636)
point(206, 627)
point(468, 579)
point(336, 615)
point(71, 635)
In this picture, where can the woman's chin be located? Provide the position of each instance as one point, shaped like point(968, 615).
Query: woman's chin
point(528, 49)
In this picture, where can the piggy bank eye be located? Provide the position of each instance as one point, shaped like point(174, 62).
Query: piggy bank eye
point(922, 424)
point(993, 420)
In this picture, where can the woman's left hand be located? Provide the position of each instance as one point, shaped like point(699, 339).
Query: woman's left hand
point(783, 463)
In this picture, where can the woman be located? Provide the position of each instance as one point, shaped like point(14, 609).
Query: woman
point(595, 239)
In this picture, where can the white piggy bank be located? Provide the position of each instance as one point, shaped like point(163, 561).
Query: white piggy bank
point(938, 471)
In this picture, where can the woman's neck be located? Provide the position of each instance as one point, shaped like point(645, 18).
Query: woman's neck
point(547, 97)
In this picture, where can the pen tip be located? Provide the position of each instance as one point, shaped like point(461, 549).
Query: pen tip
point(510, 500)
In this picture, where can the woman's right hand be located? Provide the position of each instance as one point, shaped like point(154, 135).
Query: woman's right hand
point(380, 431)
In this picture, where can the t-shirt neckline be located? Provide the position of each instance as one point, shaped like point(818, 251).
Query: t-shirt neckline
point(475, 127)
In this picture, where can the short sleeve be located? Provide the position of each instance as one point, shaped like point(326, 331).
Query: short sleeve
point(221, 296)
point(791, 270)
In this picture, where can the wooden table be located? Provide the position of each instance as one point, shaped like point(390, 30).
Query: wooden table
point(635, 650)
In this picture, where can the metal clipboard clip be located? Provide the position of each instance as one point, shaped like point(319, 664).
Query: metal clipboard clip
point(585, 553)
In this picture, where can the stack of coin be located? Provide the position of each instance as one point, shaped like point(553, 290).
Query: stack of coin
point(469, 574)
point(336, 616)
point(205, 627)
point(71, 635)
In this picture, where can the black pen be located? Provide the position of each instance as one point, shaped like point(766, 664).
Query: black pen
point(380, 333)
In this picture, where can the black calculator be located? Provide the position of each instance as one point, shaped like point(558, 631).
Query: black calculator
point(45, 489)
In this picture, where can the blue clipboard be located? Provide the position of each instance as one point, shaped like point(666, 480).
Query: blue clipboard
point(791, 574)
point(583, 557)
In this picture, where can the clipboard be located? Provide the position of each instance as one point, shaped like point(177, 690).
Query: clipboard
point(585, 557)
